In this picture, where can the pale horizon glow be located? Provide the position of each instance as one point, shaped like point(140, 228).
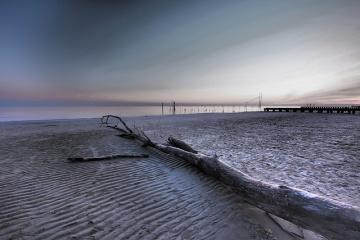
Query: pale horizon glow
point(294, 52)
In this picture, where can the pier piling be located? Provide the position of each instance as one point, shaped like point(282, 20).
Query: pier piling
point(312, 109)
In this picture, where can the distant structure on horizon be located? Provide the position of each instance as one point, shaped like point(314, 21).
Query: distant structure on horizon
point(312, 108)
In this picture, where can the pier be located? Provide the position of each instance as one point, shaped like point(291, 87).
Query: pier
point(320, 109)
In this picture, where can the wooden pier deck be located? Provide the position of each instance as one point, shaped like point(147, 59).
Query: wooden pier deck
point(349, 110)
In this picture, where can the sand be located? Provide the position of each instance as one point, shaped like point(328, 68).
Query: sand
point(43, 196)
point(315, 152)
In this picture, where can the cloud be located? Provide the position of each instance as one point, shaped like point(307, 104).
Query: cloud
point(347, 91)
point(193, 50)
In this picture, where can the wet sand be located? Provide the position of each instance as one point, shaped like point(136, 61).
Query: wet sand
point(43, 196)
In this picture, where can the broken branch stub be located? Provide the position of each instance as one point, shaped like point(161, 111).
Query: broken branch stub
point(180, 144)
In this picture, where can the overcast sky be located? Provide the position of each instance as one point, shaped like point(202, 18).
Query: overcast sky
point(188, 51)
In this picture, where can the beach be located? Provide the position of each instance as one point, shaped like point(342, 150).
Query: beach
point(44, 196)
point(199, 120)
point(315, 152)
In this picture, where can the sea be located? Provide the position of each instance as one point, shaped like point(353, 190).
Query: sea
point(75, 112)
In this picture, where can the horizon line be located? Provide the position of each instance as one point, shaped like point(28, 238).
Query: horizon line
point(104, 103)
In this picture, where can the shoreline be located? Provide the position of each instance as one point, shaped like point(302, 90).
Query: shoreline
point(93, 118)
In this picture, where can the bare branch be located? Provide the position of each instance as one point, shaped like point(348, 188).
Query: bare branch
point(105, 120)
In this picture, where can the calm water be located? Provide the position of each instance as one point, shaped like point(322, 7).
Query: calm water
point(41, 113)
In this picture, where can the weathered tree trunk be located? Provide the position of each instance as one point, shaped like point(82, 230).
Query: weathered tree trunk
point(332, 219)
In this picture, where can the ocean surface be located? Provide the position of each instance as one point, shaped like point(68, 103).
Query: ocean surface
point(69, 112)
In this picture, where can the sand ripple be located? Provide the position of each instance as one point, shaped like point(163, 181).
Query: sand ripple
point(42, 196)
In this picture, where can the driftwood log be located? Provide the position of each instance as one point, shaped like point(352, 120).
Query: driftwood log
point(81, 159)
point(330, 218)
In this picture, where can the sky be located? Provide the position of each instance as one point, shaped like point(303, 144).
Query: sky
point(213, 51)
